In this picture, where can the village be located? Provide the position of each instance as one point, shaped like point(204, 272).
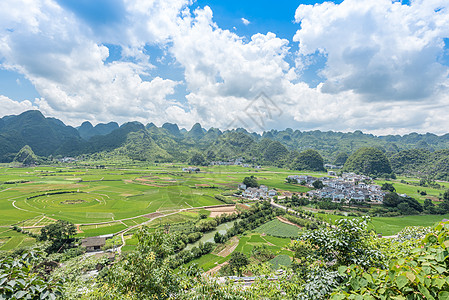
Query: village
point(347, 187)
point(261, 192)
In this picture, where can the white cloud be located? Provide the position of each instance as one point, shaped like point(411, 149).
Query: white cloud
point(11, 107)
point(379, 49)
point(375, 50)
point(68, 68)
point(245, 21)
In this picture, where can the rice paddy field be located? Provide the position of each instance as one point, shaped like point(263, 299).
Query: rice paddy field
point(88, 195)
point(108, 200)
point(111, 199)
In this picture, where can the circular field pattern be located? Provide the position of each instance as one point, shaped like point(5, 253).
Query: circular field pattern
point(66, 201)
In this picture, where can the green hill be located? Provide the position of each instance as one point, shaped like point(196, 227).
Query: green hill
point(368, 161)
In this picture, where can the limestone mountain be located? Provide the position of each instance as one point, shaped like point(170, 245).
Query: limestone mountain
point(43, 135)
point(86, 130)
point(26, 156)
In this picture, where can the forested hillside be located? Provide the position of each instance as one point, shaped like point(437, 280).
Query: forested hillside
point(417, 154)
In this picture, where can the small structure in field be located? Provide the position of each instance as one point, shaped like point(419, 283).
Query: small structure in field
point(93, 243)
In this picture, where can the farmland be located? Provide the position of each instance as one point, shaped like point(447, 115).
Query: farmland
point(392, 225)
point(108, 200)
point(246, 244)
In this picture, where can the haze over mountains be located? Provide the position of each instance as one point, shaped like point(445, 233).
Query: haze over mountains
point(50, 136)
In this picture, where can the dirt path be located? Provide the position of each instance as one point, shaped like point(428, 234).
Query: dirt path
point(229, 249)
point(215, 269)
point(284, 220)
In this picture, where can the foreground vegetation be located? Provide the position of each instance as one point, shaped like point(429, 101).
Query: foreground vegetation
point(345, 261)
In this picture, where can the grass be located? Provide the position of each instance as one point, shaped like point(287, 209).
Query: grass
point(95, 230)
point(281, 261)
point(278, 229)
point(412, 190)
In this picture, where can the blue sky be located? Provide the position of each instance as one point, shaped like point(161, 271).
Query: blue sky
point(379, 66)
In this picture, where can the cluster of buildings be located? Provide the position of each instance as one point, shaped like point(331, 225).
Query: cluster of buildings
point(348, 186)
point(191, 169)
point(256, 193)
point(233, 162)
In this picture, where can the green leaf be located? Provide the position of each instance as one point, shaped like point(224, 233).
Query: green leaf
point(20, 294)
point(446, 244)
point(425, 292)
point(410, 276)
point(401, 281)
point(44, 294)
point(439, 282)
point(342, 270)
point(443, 295)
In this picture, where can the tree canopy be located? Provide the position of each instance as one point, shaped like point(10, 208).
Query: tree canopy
point(368, 161)
point(309, 160)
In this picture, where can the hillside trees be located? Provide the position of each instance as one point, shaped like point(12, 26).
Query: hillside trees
point(341, 159)
point(61, 235)
point(197, 159)
point(26, 156)
point(368, 161)
point(251, 181)
point(275, 153)
point(309, 160)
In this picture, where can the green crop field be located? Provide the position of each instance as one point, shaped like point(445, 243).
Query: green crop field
point(87, 195)
point(123, 196)
point(392, 225)
point(246, 245)
point(412, 190)
point(278, 229)
point(281, 261)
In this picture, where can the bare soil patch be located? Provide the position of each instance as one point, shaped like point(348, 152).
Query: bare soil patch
point(215, 270)
point(218, 211)
point(242, 206)
point(202, 185)
point(152, 215)
point(284, 220)
point(233, 243)
point(144, 180)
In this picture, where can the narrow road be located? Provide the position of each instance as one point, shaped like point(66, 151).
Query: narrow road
point(122, 233)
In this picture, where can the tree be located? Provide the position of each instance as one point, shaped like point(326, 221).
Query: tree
point(309, 160)
point(444, 206)
point(218, 238)
point(368, 161)
point(341, 158)
point(388, 187)
point(144, 273)
point(250, 181)
point(197, 159)
point(238, 261)
point(391, 200)
point(318, 184)
point(429, 206)
point(60, 234)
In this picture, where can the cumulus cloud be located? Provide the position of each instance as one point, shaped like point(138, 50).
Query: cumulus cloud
point(11, 107)
point(245, 21)
point(382, 73)
point(68, 68)
point(382, 50)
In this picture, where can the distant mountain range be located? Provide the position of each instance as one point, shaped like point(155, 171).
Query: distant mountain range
point(50, 136)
